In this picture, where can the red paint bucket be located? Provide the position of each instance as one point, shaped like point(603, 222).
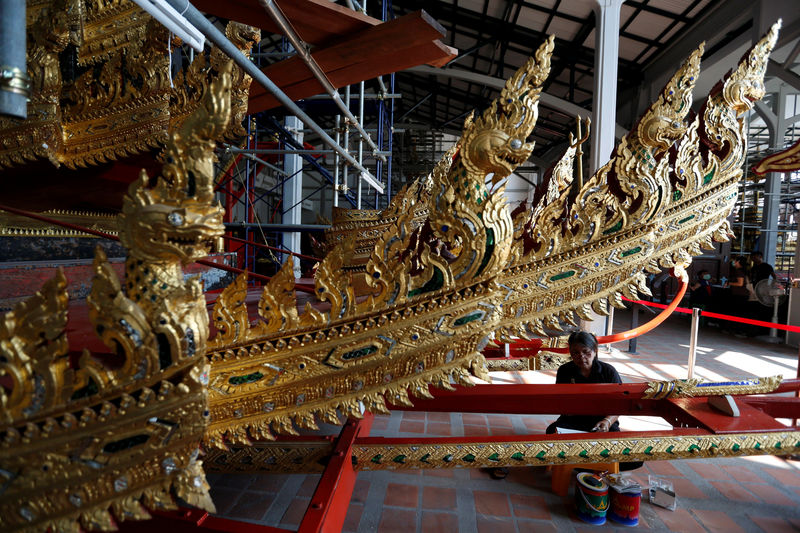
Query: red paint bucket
point(624, 507)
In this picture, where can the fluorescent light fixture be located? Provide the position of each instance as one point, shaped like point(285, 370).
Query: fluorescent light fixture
point(174, 22)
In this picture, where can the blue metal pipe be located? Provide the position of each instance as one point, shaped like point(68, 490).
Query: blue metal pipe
point(14, 83)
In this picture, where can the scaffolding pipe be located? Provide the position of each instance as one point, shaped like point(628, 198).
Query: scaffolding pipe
point(277, 227)
point(336, 163)
point(361, 139)
point(287, 151)
point(345, 169)
point(211, 32)
point(14, 82)
point(288, 30)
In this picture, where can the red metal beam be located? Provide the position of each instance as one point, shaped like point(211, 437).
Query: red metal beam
point(328, 507)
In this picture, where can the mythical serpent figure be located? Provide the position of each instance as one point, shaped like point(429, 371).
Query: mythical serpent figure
point(430, 302)
point(667, 190)
point(86, 435)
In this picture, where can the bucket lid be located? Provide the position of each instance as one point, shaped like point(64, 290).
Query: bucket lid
point(592, 481)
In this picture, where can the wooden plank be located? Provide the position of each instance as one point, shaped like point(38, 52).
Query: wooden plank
point(317, 22)
point(376, 66)
point(411, 30)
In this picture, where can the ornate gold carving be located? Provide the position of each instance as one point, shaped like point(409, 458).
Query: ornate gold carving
point(429, 299)
point(17, 225)
point(508, 365)
point(82, 438)
point(108, 112)
point(687, 388)
point(594, 449)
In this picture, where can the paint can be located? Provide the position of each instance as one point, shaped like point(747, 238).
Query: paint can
point(591, 498)
point(624, 507)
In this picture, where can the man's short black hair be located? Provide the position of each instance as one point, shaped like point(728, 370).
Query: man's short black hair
point(756, 253)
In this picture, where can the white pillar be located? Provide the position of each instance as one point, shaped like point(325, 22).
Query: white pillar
point(291, 206)
point(604, 108)
point(604, 101)
point(768, 239)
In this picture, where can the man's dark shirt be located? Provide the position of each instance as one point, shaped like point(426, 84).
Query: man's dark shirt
point(761, 271)
point(570, 373)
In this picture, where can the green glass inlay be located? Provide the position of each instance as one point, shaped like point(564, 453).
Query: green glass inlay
point(626, 451)
point(400, 459)
point(687, 219)
point(676, 196)
point(468, 458)
point(361, 352)
point(584, 453)
point(632, 251)
point(708, 177)
point(377, 458)
point(488, 249)
point(758, 445)
point(518, 456)
point(249, 378)
point(612, 229)
point(467, 319)
point(562, 275)
point(436, 282)
point(694, 448)
point(540, 455)
point(448, 458)
point(648, 450)
point(669, 448)
point(425, 458)
point(736, 447)
point(778, 445)
point(494, 457)
point(605, 453)
point(561, 455)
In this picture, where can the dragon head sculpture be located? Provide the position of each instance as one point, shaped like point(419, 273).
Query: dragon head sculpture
point(496, 142)
point(177, 216)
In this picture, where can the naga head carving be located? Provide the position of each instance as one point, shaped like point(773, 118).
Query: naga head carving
point(746, 85)
point(664, 121)
point(176, 217)
point(496, 142)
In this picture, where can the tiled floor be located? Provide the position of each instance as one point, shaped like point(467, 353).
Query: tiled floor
point(729, 494)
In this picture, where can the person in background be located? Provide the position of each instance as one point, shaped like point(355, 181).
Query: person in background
point(700, 295)
point(760, 269)
point(738, 299)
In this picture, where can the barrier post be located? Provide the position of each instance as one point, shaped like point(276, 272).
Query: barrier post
point(693, 341)
point(634, 325)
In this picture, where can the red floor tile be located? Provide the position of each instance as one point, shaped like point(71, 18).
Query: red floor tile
point(492, 524)
point(771, 524)
point(268, 482)
point(439, 429)
point(224, 498)
point(679, 520)
point(662, 468)
point(476, 431)
point(400, 495)
point(412, 426)
point(717, 521)
point(785, 476)
point(380, 422)
point(474, 419)
point(708, 471)
point(397, 521)
point(735, 491)
point(253, 505)
point(439, 522)
point(413, 415)
point(360, 491)
point(686, 489)
point(351, 521)
point(309, 486)
point(499, 421)
point(535, 424)
point(491, 503)
point(439, 417)
point(441, 498)
point(439, 472)
point(742, 474)
point(771, 495)
point(527, 506)
point(536, 526)
point(294, 514)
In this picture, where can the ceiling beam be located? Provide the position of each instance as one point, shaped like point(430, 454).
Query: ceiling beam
point(497, 83)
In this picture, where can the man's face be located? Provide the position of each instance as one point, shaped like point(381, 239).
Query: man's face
point(583, 356)
point(757, 259)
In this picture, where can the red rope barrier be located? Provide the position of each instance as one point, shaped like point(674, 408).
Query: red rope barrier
point(720, 316)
